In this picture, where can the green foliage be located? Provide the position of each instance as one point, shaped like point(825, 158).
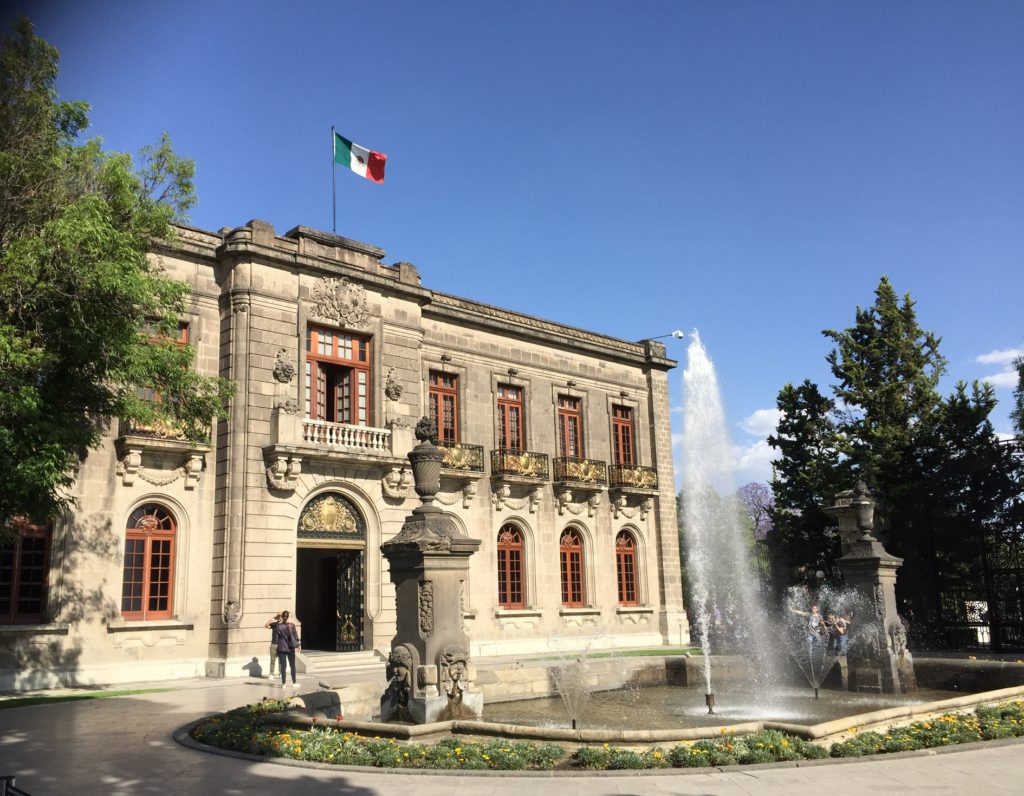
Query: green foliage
point(804, 478)
point(985, 724)
point(1017, 413)
point(86, 317)
point(949, 491)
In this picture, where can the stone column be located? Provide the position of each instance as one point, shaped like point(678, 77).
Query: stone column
point(429, 673)
point(878, 654)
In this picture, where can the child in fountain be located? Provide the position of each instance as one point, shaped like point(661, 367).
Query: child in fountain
point(815, 624)
point(839, 625)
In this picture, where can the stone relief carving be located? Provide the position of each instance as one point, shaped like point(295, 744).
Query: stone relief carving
point(465, 495)
point(328, 514)
point(399, 674)
point(289, 406)
point(454, 674)
point(341, 301)
point(426, 600)
point(232, 612)
point(500, 499)
point(392, 387)
point(130, 466)
point(898, 637)
point(284, 371)
point(395, 483)
point(283, 472)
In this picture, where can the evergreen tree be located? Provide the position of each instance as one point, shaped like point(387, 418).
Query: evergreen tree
point(86, 318)
point(1017, 413)
point(805, 478)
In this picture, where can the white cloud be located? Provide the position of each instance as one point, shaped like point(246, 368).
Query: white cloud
point(1008, 378)
point(1000, 357)
point(762, 422)
point(754, 462)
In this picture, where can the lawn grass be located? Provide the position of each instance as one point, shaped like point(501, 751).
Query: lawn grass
point(20, 702)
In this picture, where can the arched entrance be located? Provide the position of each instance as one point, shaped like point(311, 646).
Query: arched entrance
point(329, 580)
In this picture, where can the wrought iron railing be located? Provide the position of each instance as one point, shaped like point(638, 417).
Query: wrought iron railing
point(344, 436)
point(523, 463)
point(464, 457)
point(580, 471)
point(632, 475)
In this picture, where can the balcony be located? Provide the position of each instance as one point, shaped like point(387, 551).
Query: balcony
point(633, 477)
point(295, 440)
point(159, 454)
point(574, 471)
point(461, 458)
point(519, 464)
point(341, 436)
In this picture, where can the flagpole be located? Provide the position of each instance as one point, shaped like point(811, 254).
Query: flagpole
point(334, 188)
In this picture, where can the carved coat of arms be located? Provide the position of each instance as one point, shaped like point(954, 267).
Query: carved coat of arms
point(341, 301)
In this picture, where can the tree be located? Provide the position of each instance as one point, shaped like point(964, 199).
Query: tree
point(805, 478)
point(1017, 413)
point(86, 317)
point(758, 503)
point(887, 370)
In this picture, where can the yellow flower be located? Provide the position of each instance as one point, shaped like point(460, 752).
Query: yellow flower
point(485, 757)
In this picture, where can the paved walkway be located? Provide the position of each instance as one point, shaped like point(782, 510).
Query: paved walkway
point(124, 745)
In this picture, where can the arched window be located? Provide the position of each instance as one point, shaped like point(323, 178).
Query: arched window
point(571, 554)
point(24, 565)
point(625, 565)
point(510, 567)
point(147, 588)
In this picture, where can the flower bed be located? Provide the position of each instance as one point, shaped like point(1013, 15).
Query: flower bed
point(243, 730)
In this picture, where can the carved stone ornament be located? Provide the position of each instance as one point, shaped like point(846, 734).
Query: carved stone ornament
point(396, 482)
point(284, 371)
point(399, 674)
point(426, 600)
point(341, 301)
point(283, 472)
point(454, 666)
point(898, 637)
point(232, 612)
point(129, 467)
point(289, 406)
point(392, 387)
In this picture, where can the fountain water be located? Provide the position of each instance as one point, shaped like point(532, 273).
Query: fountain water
point(724, 591)
point(818, 640)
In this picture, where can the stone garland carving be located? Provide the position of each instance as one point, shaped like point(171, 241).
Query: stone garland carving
point(426, 601)
point(283, 472)
point(564, 501)
point(284, 371)
point(130, 466)
point(341, 301)
point(621, 503)
point(392, 387)
point(395, 484)
point(500, 499)
point(464, 495)
point(454, 665)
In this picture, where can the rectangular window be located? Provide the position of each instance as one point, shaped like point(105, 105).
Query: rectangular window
point(24, 565)
point(570, 427)
point(337, 376)
point(148, 393)
point(622, 436)
point(444, 406)
point(511, 424)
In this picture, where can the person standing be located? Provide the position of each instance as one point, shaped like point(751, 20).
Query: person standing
point(841, 627)
point(273, 643)
point(286, 641)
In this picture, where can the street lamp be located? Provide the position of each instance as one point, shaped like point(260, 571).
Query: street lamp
point(678, 335)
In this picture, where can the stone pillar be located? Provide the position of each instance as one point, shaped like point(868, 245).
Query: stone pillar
point(429, 672)
point(878, 654)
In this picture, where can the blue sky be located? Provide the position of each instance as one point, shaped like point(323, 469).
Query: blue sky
point(748, 169)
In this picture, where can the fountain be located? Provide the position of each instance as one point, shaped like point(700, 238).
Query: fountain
point(724, 593)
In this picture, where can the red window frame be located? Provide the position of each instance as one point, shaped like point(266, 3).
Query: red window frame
point(148, 393)
point(147, 585)
point(444, 405)
point(511, 418)
point(511, 561)
point(24, 575)
point(571, 554)
point(625, 567)
point(623, 436)
point(338, 376)
point(570, 427)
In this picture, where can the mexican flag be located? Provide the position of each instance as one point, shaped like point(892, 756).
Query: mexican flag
point(360, 159)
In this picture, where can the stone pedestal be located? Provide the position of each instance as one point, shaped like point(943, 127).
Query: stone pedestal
point(429, 672)
point(878, 658)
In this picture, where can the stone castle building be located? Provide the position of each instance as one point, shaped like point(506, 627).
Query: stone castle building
point(558, 458)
